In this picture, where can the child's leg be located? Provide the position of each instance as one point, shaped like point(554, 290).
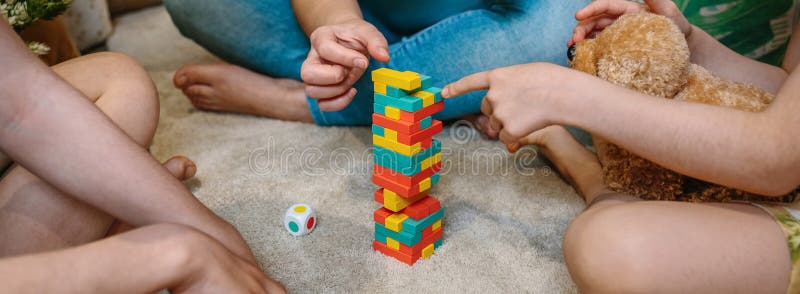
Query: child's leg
point(623, 245)
point(33, 215)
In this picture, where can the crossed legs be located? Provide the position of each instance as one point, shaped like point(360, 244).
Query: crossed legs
point(621, 244)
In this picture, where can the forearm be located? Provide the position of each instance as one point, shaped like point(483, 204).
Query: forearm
point(312, 14)
point(131, 263)
point(726, 63)
point(743, 150)
point(53, 131)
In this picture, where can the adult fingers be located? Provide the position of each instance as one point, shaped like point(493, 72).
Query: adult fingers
point(328, 47)
point(330, 91)
point(337, 103)
point(315, 71)
point(377, 46)
point(473, 82)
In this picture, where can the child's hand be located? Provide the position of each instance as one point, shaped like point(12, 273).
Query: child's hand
point(338, 57)
point(601, 13)
point(523, 98)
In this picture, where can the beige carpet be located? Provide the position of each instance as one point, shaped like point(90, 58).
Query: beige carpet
point(504, 215)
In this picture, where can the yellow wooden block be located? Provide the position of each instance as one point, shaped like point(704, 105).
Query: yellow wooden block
point(426, 163)
point(391, 112)
point(395, 146)
point(438, 158)
point(392, 243)
point(435, 226)
point(394, 202)
point(390, 134)
point(407, 80)
point(380, 88)
point(427, 251)
point(425, 184)
point(427, 97)
point(394, 222)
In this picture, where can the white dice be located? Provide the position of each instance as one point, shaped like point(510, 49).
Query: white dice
point(299, 219)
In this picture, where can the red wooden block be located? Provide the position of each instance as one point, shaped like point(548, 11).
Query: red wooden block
point(406, 191)
point(421, 208)
point(405, 258)
point(397, 125)
point(381, 214)
point(416, 250)
point(418, 115)
point(379, 195)
point(421, 136)
point(404, 179)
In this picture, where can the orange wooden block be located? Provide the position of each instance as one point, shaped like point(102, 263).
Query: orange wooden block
point(404, 179)
point(420, 114)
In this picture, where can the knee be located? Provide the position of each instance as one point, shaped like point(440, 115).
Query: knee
point(133, 93)
point(607, 251)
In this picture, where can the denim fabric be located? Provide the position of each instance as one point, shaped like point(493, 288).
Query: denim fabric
point(445, 39)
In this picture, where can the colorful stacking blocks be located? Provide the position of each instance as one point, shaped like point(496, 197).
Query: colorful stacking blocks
point(407, 164)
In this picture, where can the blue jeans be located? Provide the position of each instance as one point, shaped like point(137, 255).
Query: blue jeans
point(444, 39)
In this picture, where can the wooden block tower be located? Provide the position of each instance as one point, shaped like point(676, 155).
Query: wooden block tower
point(407, 163)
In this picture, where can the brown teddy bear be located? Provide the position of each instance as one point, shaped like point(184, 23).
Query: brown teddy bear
point(649, 53)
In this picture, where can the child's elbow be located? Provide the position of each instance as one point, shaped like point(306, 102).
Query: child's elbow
point(780, 175)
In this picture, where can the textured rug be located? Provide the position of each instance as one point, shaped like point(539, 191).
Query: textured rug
point(505, 215)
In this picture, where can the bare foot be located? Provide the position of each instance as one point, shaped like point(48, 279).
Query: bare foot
point(180, 167)
point(230, 88)
point(574, 162)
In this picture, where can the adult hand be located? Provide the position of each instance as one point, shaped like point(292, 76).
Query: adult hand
point(524, 98)
point(601, 13)
point(338, 57)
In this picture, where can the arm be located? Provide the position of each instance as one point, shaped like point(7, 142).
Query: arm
point(145, 260)
point(312, 14)
point(756, 152)
point(341, 45)
point(726, 63)
point(57, 134)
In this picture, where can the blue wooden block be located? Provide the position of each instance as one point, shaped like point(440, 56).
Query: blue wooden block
point(427, 82)
point(407, 103)
point(425, 122)
point(377, 130)
point(415, 227)
point(380, 237)
point(435, 179)
point(437, 244)
point(396, 92)
point(437, 93)
point(379, 109)
point(406, 165)
point(402, 236)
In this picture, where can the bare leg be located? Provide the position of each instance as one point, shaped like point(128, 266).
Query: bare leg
point(230, 88)
point(35, 217)
point(623, 245)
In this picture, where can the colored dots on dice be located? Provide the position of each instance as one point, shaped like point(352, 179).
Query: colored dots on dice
point(299, 219)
